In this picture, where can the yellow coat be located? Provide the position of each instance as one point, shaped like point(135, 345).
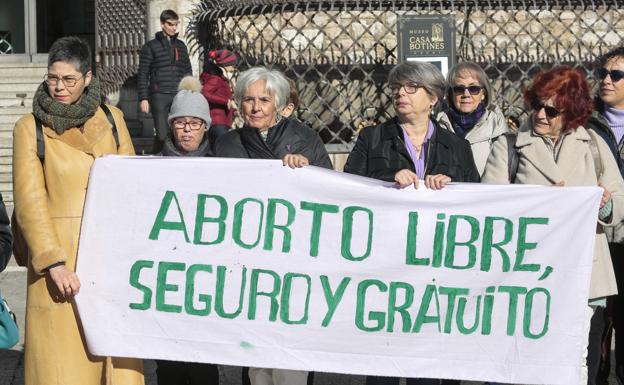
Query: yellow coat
point(49, 201)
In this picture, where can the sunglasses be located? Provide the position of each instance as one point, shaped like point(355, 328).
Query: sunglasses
point(460, 90)
point(551, 112)
point(616, 75)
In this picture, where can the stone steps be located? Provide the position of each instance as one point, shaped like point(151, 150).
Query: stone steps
point(7, 126)
point(18, 83)
point(16, 99)
point(17, 87)
point(8, 118)
point(34, 71)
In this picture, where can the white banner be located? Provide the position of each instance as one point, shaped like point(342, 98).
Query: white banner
point(247, 262)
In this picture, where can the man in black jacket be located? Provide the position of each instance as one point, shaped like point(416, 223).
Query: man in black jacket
point(163, 62)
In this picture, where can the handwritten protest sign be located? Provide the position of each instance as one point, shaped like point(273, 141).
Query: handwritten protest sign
point(247, 262)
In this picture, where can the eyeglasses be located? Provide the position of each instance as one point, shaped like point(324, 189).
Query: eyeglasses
point(69, 81)
point(410, 88)
point(460, 90)
point(616, 75)
point(194, 125)
point(551, 112)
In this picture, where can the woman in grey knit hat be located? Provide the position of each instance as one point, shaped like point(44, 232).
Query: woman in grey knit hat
point(189, 120)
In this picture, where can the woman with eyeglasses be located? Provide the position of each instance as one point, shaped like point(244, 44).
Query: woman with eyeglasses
point(554, 148)
point(189, 120)
point(412, 148)
point(50, 178)
point(471, 113)
point(607, 120)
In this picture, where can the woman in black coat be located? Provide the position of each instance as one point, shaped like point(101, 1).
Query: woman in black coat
point(261, 95)
point(412, 146)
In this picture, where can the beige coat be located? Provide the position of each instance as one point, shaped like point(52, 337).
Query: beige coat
point(482, 136)
point(48, 204)
point(575, 167)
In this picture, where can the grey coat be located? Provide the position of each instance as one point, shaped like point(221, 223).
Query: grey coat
point(482, 136)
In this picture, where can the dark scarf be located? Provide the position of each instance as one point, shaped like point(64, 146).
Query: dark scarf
point(169, 149)
point(61, 117)
point(462, 122)
point(256, 147)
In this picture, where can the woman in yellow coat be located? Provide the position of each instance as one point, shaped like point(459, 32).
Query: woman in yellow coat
point(49, 196)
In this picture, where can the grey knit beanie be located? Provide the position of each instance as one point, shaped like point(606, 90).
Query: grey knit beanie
point(189, 101)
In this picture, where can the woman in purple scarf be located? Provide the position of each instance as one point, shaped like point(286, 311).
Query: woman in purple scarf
point(471, 113)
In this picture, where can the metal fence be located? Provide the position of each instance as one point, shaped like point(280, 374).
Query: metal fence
point(339, 52)
point(120, 34)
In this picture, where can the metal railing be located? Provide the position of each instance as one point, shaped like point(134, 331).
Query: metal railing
point(339, 52)
point(120, 34)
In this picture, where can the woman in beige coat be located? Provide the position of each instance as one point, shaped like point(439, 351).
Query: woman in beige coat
point(554, 149)
point(49, 190)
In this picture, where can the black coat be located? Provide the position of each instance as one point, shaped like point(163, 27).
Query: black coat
point(162, 64)
point(6, 236)
point(598, 123)
point(380, 153)
point(288, 136)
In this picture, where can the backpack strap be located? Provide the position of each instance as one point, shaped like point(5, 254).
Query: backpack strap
point(111, 120)
point(41, 143)
point(512, 156)
point(593, 148)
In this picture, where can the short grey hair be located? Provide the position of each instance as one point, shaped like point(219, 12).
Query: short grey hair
point(424, 74)
point(276, 85)
point(473, 69)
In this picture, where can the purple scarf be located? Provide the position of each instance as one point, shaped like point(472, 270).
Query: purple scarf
point(462, 122)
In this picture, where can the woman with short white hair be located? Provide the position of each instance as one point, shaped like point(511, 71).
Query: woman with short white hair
point(266, 134)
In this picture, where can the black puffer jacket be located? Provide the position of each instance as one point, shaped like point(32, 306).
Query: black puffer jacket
point(162, 64)
point(380, 153)
point(288, 136)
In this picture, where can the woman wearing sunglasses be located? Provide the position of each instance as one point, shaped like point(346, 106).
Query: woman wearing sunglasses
point(413, 148)
point(470, 113)
point(553, 148)
point(608, 121)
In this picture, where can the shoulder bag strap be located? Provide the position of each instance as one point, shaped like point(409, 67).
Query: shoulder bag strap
point(593, 148)
point(111, 119)
point(512, 157)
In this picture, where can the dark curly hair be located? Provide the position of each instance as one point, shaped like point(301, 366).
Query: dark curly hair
point(570, 90)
